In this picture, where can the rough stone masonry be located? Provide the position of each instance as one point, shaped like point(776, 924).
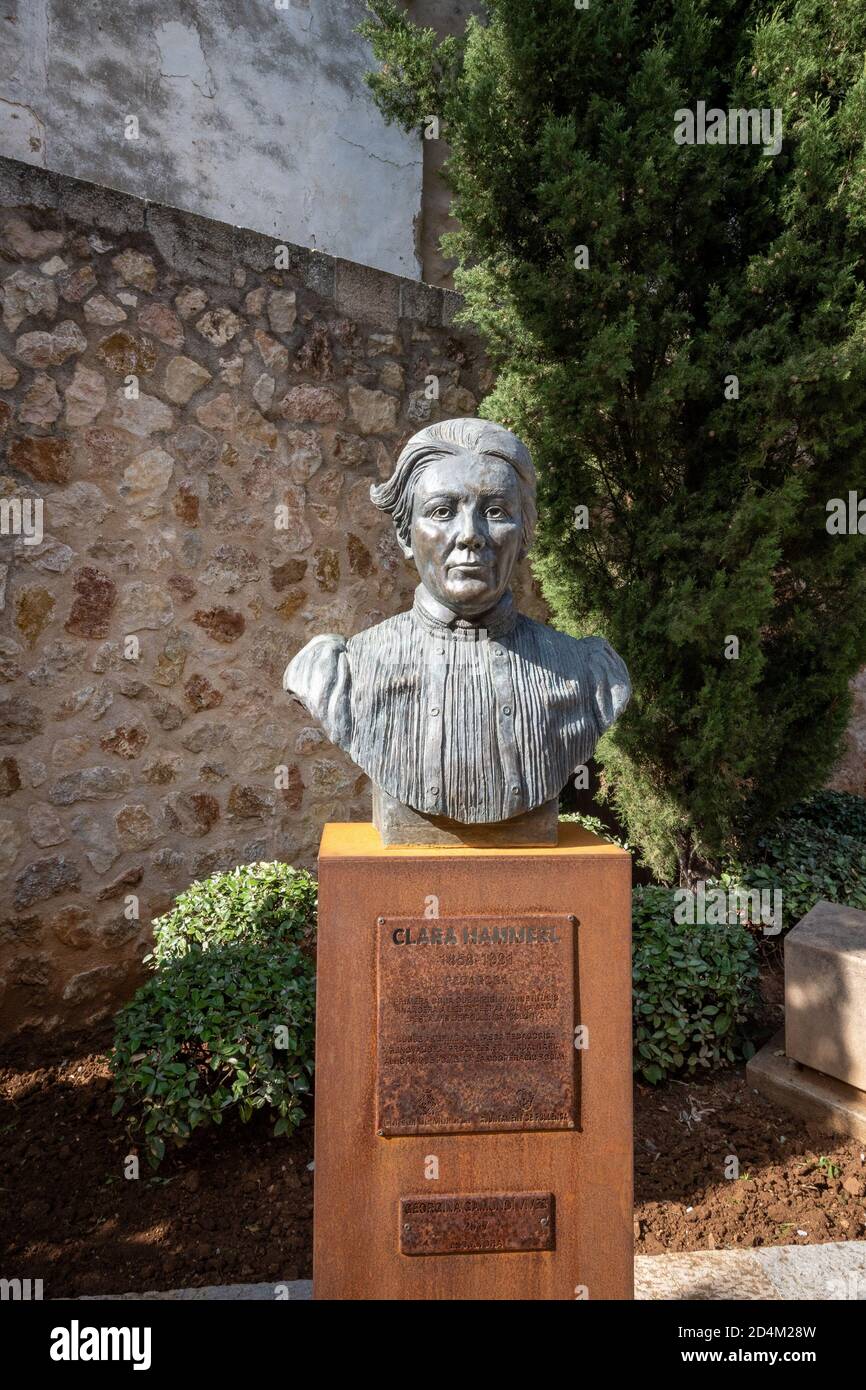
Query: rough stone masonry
point(202, 430)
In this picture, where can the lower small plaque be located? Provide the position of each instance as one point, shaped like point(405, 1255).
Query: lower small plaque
point(481, 1223)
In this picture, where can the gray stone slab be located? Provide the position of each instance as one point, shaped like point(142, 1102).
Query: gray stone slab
point(366, 294)
point(293, 1291)
point(702, 1276)
point(825, 992)
point(193, 246)
point(452, 303)
point(23, 185)
point(106, 208)
point(834, 1105)
point(816, 1272)
point(421, 302)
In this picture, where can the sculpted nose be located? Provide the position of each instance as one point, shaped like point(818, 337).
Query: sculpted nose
point(469, 535)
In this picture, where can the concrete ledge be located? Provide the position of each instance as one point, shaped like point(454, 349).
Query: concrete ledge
point(817, 1273)
point(193, 244)
point(293, 1291)
point(834, 1105)
point(367, 294)
point(105, 208)
point(702, 1276)
point(204, 248)
point(27, 185)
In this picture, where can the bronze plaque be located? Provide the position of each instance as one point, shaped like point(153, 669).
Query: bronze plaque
point(476, 1024)
point(484, 1223)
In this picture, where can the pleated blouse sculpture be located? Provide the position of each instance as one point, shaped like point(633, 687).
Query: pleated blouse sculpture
point(463, 712)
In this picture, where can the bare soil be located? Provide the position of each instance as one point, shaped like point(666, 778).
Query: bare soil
point(234, 1206)
point(716, 1167)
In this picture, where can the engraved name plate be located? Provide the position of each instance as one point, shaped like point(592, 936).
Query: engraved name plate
point(476, 1024)
point(476, 1224)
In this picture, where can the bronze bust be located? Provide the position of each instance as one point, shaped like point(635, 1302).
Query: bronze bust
point(467, 716)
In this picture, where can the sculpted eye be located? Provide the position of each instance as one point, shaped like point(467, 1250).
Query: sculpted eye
point(497, 513)
point(440, 513)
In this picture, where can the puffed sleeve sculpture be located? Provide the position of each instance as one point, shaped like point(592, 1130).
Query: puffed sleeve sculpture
point(467, 716)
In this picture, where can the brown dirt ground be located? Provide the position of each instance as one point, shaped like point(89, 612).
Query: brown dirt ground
point(796, 1185)
point(235, 1205)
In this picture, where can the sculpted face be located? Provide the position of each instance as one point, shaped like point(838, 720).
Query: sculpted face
point(467, 531)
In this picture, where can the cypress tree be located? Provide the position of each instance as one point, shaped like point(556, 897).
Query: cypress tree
point(679, 333)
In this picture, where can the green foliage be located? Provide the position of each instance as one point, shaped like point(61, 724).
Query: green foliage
point(253, 903)
point(414, 64)
point(694, 989)
point(841, 811)
point(226, 1024)
point(808, 863)
point(707, 514)
point(594, 825)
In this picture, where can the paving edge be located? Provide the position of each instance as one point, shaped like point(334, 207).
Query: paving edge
point(817, 1273)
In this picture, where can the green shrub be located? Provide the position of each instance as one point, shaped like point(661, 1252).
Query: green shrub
point(253, 903)
point(226, 1024)
point(694, 987)
point(808, 863)
point(595, 826)
point(842, 811)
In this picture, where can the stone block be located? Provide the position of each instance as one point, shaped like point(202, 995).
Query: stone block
point(368, 295)
point(825, 993)
point(194, 246)
point(107, 208)
point(421, 303)
point(832, 1105)
point(452, 303)
point(26, 185)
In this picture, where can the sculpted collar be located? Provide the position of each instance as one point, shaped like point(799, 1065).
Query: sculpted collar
point(440, 621)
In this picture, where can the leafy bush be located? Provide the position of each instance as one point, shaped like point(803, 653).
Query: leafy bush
point(808, 863)
point(694, 986)
point(841, 811)
point(253, 903)
point(227, 1022)
point(595, 826)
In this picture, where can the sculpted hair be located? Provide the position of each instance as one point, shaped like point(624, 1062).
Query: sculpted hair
point(445, 439)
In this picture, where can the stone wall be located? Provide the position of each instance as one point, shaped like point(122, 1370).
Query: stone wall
point(194, 539)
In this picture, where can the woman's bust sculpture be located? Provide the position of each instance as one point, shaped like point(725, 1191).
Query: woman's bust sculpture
point(462, 711)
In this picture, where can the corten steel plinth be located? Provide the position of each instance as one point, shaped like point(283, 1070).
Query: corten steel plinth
point(445, 1046)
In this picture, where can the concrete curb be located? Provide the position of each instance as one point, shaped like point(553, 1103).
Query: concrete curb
point(817, 1273)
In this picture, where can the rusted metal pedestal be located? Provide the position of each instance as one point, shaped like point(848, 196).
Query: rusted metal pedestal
point(473, 1071)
